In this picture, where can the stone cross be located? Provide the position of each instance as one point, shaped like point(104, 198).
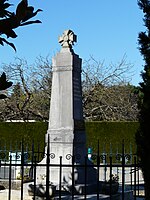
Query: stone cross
point(67, 39)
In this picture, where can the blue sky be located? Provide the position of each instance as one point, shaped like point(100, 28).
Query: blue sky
point(105, 29)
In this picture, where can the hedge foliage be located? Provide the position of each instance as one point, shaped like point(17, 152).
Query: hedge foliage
point(109, 134)
point(13, 133)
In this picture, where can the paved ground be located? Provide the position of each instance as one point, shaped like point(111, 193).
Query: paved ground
point(16, 195)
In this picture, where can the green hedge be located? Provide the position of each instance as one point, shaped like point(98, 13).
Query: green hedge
point(109, 134)
point(13, 133)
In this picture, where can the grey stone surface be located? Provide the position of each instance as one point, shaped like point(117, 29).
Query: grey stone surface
point(66, 129)
point(67, 39)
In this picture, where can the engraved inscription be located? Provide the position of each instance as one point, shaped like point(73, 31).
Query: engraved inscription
point(76, 88)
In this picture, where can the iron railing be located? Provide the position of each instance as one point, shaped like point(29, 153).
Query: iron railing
point(110, 169)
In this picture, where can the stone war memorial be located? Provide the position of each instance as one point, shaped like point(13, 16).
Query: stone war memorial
point(66, 131)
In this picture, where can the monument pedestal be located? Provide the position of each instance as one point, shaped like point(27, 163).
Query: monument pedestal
point(66, 131)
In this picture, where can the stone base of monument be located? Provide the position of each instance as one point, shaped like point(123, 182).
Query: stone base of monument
point(78, 192)
point(67, 173)
point(40, 190)
point(81, 189)
point(66, 190)
point(128, 195)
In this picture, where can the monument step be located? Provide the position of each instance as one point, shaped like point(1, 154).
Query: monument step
point(127, 196)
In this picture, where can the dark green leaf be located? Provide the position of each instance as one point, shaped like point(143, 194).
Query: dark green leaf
point(9, 43)
point(30, 22)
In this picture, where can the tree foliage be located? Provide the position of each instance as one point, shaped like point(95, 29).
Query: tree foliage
point(8, 22)
point(4, 84)
point(142, 137)
point(12, 20)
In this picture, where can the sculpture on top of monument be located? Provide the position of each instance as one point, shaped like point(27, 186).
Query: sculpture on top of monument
point(67, 39)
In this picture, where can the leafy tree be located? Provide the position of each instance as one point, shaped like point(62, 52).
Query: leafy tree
point(13, 20)
point(4, 84)
point(143, 134)
point(10, 21)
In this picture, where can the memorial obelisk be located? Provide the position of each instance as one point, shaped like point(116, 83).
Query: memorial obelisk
point(66, 131)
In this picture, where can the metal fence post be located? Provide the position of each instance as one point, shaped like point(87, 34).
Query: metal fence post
point(9, 195)
point(60, 175)
point(73, 183)
point(135, 178)
point(32, 160)
point(22, 168)
point(98, 163)
point(110, 177)
point(34, 189)
point(123, 170)
point(131, 178)
point(85, 167)
point(47, 169)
